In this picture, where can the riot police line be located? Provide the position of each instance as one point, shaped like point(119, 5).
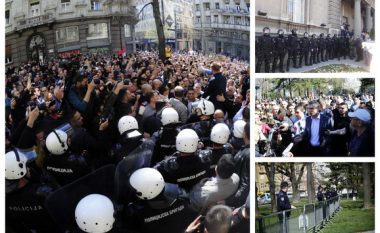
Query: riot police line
point(278, 52)
point(104, 148)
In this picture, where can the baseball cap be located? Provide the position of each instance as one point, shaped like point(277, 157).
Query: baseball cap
point(361, 114)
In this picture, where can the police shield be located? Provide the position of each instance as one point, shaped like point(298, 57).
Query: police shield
point(62, 203)
point(139, 158)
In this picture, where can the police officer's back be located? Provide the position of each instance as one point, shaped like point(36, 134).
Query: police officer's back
point(185, 168)
point(25, 196)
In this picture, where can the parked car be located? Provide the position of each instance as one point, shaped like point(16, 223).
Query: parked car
point(264, 199)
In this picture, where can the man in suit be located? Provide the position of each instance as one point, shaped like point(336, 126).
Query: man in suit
point(315, 135)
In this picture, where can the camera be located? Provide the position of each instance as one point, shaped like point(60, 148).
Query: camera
point(97, 81)
point(34, 104)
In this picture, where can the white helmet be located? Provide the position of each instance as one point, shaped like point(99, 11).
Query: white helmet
point(187, 141)
point(169, 115)
point(220, 133)
point(239, 128)
point(94, 213)
point(207, 107)
point(148, 183)
point(15, 165)
point(56, 142)
point(127, 123)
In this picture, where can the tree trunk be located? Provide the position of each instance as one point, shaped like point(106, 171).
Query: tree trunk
point(367, 186)
point(257, 211)
point(293, 179)
point(270, 172)
point(310, 183)
point(160, 29)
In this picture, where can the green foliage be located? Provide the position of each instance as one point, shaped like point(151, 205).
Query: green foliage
point(351, 219)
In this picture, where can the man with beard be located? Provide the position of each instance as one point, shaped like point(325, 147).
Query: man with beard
point(341, 121)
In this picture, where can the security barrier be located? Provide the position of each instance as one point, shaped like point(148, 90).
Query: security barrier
point(300, 220)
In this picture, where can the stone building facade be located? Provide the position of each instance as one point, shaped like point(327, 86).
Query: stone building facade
point(40, 30)
point(222, 26)
point(313, 16)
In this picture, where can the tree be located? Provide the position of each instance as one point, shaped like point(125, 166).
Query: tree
point(160, 29)
point(270, 173)
point(310, 183)
point(367, 186)
point(289, 170)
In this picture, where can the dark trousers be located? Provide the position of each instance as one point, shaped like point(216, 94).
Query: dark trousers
point(315, 151)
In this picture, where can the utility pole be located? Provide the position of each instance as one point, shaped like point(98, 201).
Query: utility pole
point(175, 31)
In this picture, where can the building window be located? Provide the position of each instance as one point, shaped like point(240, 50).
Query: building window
point(97, 31)
point(6, 17)
point(238, 20)
point(238, 8)
point(68, 34)
point(262, 186)
point(296, 10)
point(65, 5)
point(207, 6)
point(215, 19)
point(8, 54)
point(226, 19)
point(197, 7)
point(198, 19)
point(208, 19)
point(95, 5)
point(248, 6)
point(34, 9)
point(217, 5)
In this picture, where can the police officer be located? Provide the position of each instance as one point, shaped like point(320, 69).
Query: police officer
point(292, 49)
point(185, 167)
point(336, 47)
point(165, 144)
point(304, 49)
point(313, 49)
point(95, 213)
point(283, 204)
point(63, 164)
point(320, 196)
point(25, 196)
point(161, 207)
point(329, 47)
point(202, 119)
point(130, 138)
point(237, 140)
point(322, 47)
point(219, 137)
point(264, 50)
point(279, 51)
point(346, 46)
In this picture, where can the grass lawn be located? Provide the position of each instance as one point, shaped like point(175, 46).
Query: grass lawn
point(266, 209)
point(351, 219)
point(337, 68)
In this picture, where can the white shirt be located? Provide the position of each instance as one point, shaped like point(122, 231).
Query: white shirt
point(314, 139)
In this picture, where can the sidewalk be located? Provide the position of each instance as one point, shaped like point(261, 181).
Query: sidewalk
point(329, 62)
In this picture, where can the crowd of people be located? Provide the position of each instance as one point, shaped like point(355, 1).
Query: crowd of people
point(181, 123)
point(307, 50)
point(334, 125)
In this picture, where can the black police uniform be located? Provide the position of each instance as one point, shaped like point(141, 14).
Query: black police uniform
point(305, 50)
point(322, 48)
point(161, 215)
point(165, 144)
point(320, 195)
point(346, 47)
point(292, 49)
point(282, 205)
point(264, 50)
point(67, 167)
point(186, 171)
point(126, 146)
point(279, 52)
point(336, 47)
point(217, 86)
point(314, 50)
point(329, 47)
point(212, 156)
point(242, 161)
point(25, 209)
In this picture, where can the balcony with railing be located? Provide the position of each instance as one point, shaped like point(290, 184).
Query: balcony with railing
point(34, 21)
